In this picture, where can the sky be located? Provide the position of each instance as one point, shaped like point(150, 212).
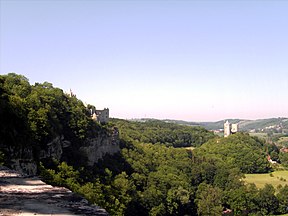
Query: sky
point(188, 60)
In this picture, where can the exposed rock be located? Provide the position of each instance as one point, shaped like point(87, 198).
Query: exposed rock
point(25, 166)
point(94, 149)
point(23, 159)
point(54, 149)
point(21, 196)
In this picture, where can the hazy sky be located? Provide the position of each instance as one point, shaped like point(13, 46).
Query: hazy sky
point(189, 60)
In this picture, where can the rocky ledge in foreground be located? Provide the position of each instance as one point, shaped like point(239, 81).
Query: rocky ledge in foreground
point(20, 195)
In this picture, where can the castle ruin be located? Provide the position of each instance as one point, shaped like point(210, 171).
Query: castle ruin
point(230, 128)
point(101, 116)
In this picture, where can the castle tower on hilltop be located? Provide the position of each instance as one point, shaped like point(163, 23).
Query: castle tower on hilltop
point(227, 130)
point(234, 128)
point(230, 128)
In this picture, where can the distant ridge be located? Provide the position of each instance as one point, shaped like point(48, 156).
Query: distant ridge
point(244, 124)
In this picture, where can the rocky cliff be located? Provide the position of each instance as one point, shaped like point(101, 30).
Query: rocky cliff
point(95, 148)
point(41, 123)
point(25, 159)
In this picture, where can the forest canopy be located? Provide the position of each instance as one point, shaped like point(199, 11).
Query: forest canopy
point(160, 132)
point(240, 150)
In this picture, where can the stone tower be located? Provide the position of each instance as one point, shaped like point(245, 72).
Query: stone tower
point(227, 130)
point(102, 116)
point(234, 128)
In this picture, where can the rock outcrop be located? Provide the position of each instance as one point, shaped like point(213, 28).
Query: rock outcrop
point(20, 195)
point(54, 149)
point(21, 159)
point(95, 148)
point(24, 159)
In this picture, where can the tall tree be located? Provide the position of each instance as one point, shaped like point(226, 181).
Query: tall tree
point(208, 199)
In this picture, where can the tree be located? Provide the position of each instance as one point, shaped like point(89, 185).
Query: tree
point(123, 190)
point(282, 197)
point(283, 156)
point(242, 199)
point(267, 200)
point(208, 200)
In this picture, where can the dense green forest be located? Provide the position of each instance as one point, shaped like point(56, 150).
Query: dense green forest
point(249, 154)
point(153, 179)
point(159, 132)
point(149, 176)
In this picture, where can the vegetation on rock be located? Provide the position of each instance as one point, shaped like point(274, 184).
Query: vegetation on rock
point(34, 115)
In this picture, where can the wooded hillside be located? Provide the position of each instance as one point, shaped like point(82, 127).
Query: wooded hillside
point(152, 174)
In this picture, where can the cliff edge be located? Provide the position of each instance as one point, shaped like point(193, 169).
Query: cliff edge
point(20, 195)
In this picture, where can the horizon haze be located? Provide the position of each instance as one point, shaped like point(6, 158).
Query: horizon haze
point(181, 60)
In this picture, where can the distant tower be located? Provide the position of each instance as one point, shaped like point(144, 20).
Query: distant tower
point(234, 128)
point(227, 130)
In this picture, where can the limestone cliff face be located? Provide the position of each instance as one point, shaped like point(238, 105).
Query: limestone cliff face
point(24, 159)
point(105, 143)
point(21, 159)
point(55, 148)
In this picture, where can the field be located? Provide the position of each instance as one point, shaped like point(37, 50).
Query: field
point(275, 178)
point(259, 135)
point(283, 141)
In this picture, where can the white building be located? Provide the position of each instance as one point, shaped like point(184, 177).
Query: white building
point(234, 128)
point(227, 130)
point(230, 128)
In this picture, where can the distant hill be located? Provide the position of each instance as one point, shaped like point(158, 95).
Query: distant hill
point(276, 124)
point(207, 125)
point(264, 124)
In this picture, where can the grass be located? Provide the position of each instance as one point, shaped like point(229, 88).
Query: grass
point(259, 135)
point(283, 141)
point(275, 178)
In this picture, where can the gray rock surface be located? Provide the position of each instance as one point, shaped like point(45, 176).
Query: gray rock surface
point(23, 158)
point(20, 195)
point(96, 148)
